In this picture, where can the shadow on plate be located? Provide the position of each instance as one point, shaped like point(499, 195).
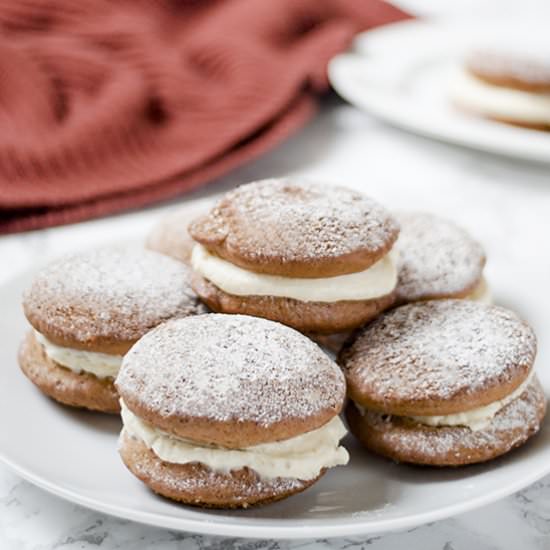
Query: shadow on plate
point(87, 420)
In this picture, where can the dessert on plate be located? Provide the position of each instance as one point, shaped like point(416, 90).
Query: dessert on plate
point(510, 88)
point(227, 411)
point(437, 259)
point(87, 309)
point(169, 235)
point(443, 383)
point(314, 257)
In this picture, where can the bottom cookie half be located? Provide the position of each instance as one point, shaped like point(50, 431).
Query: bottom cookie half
point(404, 440)
point(198, 485)
point(70, 388)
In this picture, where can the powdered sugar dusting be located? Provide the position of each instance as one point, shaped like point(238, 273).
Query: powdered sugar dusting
point(436, 258)
point(231, 367)
point(112, 292)
point(298, 221)
point(438, 350)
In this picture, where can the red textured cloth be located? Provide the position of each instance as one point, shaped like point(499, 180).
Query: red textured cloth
point(107, 105)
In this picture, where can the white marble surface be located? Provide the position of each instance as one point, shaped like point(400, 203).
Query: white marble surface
point(505, 203)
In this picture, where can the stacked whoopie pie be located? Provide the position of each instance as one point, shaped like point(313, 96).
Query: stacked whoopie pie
point(443, 383)
point(229, 411)
point(88, 309)
point(509, 88)
point(437, 260)
point(170, 236)
point(240, 407)
point(316, 258)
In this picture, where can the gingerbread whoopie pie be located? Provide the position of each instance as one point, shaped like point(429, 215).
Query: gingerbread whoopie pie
point(509, 88)
point(88, 309)
point(437, 259)
point(170, 236)
point(443, 383)
point(314, 257)
point(227, 411)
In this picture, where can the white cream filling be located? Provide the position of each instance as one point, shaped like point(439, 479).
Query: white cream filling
point(301, 457)
point(378, 280)
point(500, 102)
point(481, 293)
point(475, 419)
point(478, 418)
point(102, 365)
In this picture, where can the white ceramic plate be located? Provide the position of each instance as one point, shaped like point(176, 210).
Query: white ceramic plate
point(73, 454)
point(400, 73)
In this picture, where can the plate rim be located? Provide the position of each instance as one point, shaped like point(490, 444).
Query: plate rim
point(262, 531)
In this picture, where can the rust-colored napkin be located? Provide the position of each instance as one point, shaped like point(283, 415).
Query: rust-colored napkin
point(106, 105)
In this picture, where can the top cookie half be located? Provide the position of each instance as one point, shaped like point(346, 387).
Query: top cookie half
point(520, 72)
point(297, 229)
point(107, 298)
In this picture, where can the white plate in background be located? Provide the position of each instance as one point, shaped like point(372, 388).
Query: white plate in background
point(400, 73)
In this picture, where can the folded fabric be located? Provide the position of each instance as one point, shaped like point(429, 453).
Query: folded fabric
point(106, 106)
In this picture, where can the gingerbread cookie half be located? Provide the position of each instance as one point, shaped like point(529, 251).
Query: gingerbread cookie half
point(443, 383)
point(170, 236)
point(508, 88)
point(437, 259)
point(227, 411)
point(314, 257)
point(88, 309)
